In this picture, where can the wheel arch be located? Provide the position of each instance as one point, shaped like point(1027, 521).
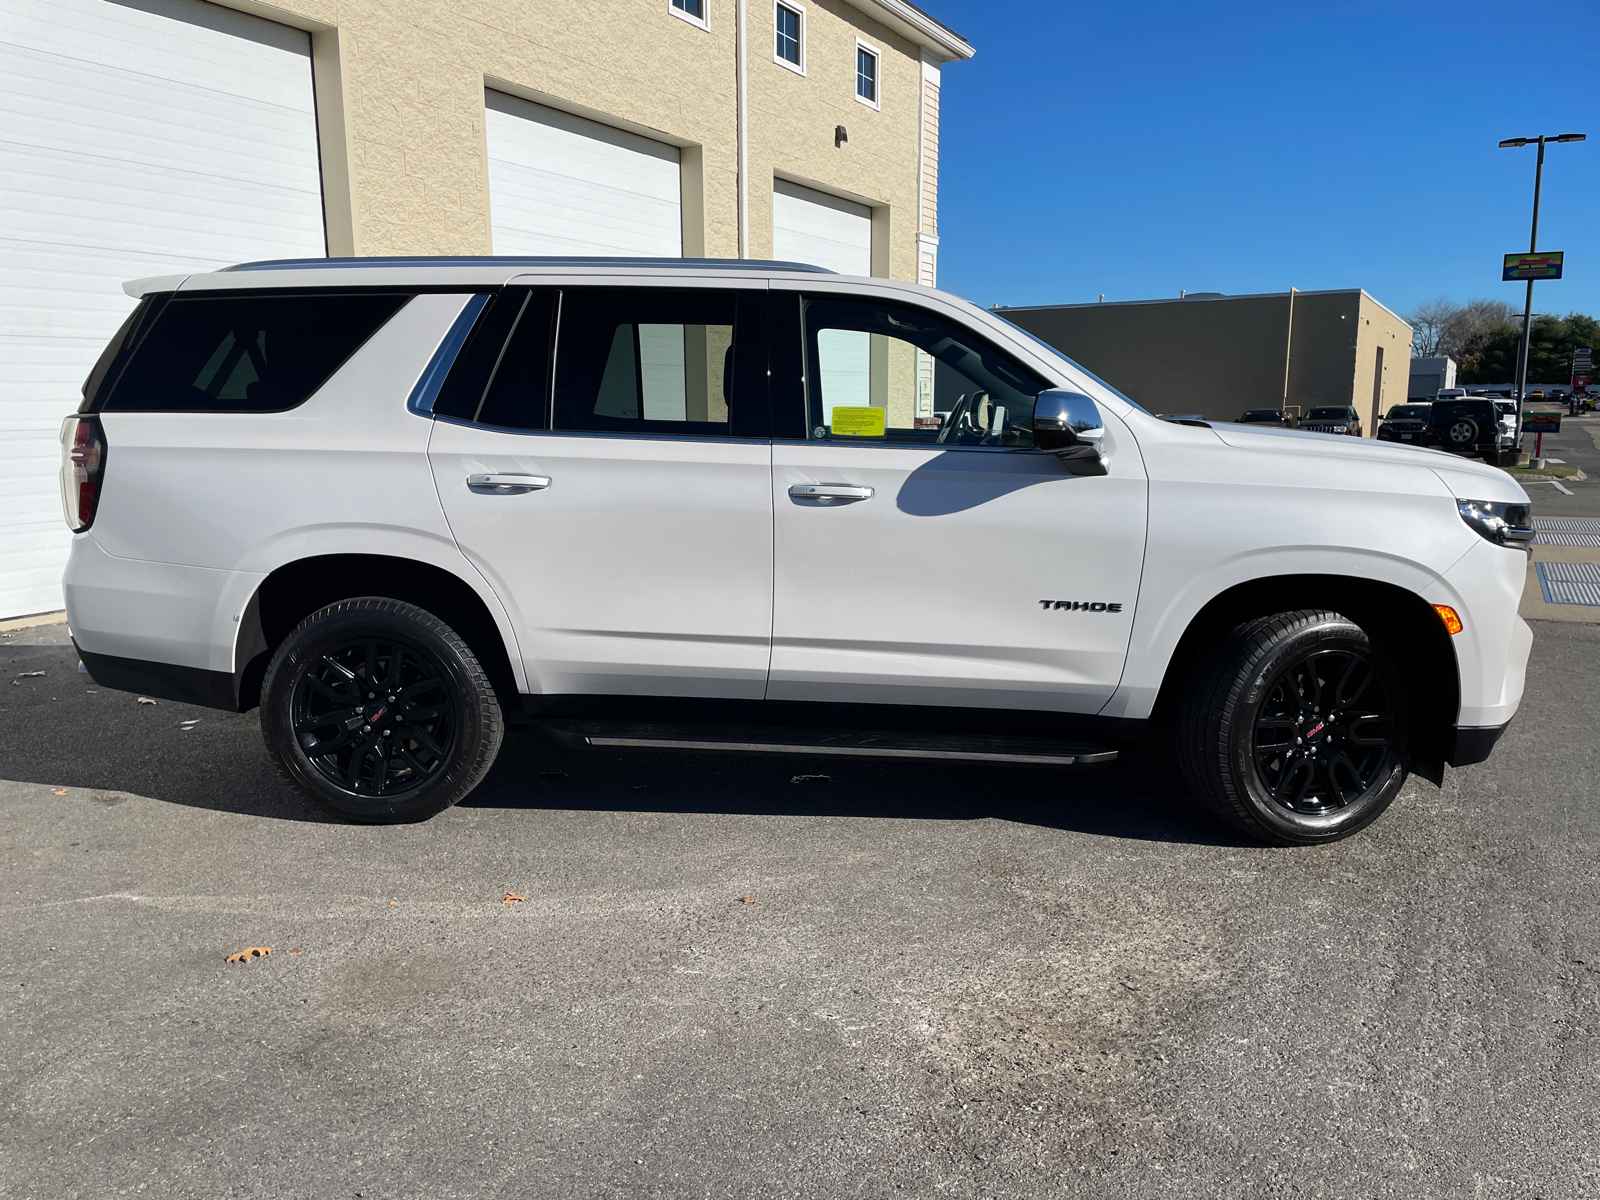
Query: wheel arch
point(1404, 623)
point(295, 590)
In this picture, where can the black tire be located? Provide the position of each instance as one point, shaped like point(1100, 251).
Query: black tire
point(381, 755)
point(1256, 742)
point(1462, 434)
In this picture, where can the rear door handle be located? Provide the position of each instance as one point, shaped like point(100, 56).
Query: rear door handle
point(829, 493)
point(507, 485)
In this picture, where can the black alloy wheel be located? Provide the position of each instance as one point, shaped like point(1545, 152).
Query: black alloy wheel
point(1294, 729)
point(380, 711)
point(1324, 733)
point(375, 716)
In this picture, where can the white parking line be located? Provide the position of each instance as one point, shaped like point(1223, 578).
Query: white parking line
point(1556, 483)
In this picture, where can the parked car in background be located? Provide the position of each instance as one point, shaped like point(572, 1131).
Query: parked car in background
point(1268, 416)
point(1450, 394)
point(1184, 418)
point(1508, 423)
point(1404, 423)
point(1333, 420)
point(1464, 427)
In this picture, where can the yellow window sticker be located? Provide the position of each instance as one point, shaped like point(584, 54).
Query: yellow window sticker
point(860, 422)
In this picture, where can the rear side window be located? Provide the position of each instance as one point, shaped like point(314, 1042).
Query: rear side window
point(637, 361)
point(115, 356)
point(246, 353)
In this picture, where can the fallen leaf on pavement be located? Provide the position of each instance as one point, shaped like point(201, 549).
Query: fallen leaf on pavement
point(59, 792)
point(248, 955)
point(812, 779)
point(294, 949)
point(747, 900)
point(393, 903)
point(146, 700)
point(512, 898)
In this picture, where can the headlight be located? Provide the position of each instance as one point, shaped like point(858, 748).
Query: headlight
point(1341, 429)
point(1502, 524)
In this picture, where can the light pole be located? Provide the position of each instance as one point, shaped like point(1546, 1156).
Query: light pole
point(1533, 248)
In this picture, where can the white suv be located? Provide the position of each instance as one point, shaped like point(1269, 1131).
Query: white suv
point(401, 504)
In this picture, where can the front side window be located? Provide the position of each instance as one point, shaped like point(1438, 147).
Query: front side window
point(246, 353)
point(881, 372)
point(645, 361)
point(789, 47)
point(867, 75)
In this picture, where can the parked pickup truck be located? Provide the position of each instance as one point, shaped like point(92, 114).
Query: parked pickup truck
point(401, 505)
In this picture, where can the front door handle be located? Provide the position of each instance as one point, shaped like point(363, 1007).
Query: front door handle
point(829, 493)
point(507, 485)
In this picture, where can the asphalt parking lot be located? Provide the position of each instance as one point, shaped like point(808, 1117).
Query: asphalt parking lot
point(966, 982)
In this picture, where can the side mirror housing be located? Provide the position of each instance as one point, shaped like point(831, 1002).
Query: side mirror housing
point(1068, 425)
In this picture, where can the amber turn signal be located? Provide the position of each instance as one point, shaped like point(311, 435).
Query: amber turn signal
point(1452, 622)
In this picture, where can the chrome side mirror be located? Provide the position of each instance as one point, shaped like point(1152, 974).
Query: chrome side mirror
point(1068, 425)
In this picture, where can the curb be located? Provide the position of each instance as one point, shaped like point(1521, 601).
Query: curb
point(54, 618)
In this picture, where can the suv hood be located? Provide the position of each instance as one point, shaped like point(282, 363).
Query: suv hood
point(1468, 478)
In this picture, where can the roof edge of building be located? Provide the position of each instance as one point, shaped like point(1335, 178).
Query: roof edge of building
point(1206, 300)
point(910, 21)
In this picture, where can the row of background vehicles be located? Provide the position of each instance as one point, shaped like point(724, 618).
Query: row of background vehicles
point(1455, 421)
point(1480, 426)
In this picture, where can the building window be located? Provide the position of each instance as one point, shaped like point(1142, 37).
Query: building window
point(868, 63)
point(692, 11)
point(789, 45)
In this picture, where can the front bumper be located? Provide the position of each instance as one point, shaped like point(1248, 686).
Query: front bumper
point(1473, 743)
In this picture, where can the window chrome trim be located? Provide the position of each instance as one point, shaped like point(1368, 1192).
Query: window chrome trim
point(432, 378)
point(610, 434)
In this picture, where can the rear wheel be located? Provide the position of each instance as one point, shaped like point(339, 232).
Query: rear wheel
point(1462, 434)
point(1294, 729)
point(380, 711)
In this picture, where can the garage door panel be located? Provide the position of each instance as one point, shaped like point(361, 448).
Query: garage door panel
point(146, 138)
point(560, 184)
point(813, 227)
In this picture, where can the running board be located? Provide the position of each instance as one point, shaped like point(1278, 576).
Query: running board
point(772, 739)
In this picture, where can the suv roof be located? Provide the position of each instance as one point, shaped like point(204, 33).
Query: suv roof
point(454, 270)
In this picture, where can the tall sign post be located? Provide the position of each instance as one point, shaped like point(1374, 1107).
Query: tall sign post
point(1533, 248)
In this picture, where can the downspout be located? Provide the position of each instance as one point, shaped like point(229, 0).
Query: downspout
point(744, 140)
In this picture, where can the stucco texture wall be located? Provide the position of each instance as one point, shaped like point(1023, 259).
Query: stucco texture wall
point(401, 108)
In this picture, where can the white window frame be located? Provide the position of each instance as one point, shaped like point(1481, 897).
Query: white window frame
point(876, 103)
point(698, 22)
point(800, 10)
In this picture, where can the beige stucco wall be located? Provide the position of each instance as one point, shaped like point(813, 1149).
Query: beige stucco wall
point(401, 112)
point(1219, 357)
point(1381, 329)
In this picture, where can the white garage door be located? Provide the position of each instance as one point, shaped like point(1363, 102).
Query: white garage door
point(169, 137)
point(812, 227)
point(559, 184)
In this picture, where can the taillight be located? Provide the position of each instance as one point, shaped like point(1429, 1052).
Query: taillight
point(83, 467)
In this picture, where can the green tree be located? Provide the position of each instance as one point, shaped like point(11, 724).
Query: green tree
point(1549, 350)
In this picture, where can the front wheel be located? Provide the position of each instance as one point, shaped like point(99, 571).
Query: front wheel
point(380, 711)
point(1294, 729)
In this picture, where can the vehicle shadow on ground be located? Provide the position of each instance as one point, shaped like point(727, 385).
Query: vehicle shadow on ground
point(61, 730)
point(1145, 804)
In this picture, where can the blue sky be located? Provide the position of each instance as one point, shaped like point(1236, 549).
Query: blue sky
point(1140, 149)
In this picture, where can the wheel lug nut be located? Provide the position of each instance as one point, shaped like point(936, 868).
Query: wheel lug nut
point(366, 729)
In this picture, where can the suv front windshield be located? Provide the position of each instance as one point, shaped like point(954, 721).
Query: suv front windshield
point(1329, 414)
point(1408, 412)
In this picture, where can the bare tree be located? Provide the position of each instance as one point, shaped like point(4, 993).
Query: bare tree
point(1428, 322)
point(1467, 334)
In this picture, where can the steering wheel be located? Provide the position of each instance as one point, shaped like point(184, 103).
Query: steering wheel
point(969, 416)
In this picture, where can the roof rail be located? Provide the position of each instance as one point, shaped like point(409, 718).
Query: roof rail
point(489, 260)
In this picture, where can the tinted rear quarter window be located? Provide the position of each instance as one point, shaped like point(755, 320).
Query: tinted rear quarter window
point(246, 353)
